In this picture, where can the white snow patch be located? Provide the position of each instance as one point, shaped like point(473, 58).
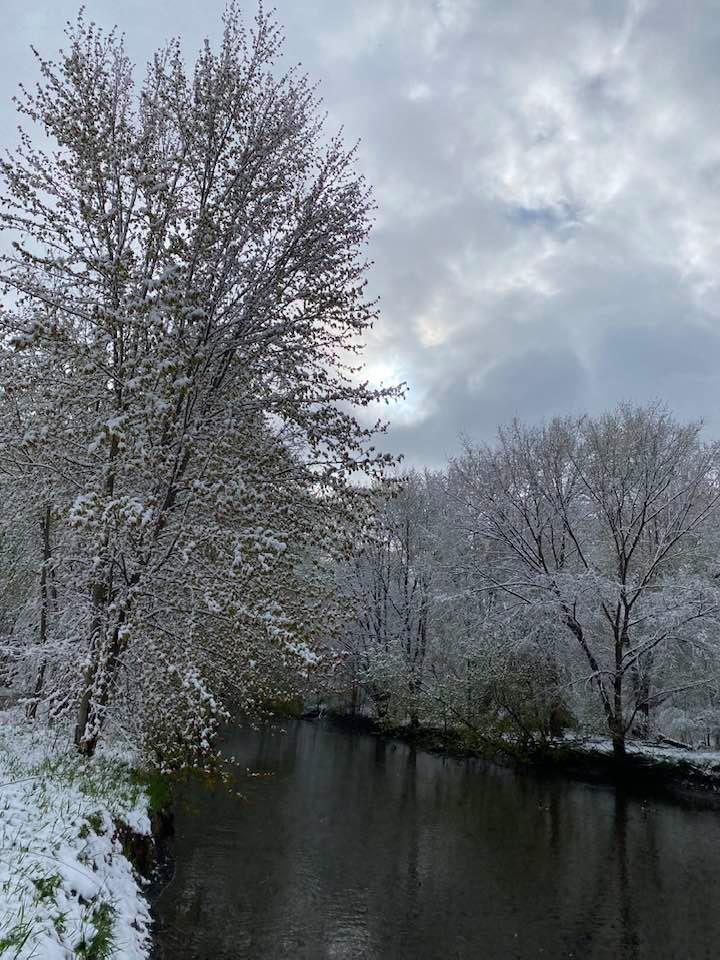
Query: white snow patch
point(63, 876)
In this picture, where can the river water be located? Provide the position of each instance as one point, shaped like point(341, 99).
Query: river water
point(344, 847)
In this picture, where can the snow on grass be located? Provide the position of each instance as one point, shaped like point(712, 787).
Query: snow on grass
point(704, 761)
point(66, 889)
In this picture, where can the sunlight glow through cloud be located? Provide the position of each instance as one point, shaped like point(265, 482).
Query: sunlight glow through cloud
point(544, 175)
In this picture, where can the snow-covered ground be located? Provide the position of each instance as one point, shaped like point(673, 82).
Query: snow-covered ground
point(66, 889)
point(706, 762)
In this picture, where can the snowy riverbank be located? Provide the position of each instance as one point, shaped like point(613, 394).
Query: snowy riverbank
point(66, 888)
point(647, 767)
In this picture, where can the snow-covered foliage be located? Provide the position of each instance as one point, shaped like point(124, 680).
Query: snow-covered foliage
point(66, 889)
point(565, 575)
point(389, 582)
point(179, 383)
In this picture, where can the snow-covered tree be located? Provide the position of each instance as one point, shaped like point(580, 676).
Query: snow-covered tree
point(184, 305)
point(600, 530)
point(389, 582)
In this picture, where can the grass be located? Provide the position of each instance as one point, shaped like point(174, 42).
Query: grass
point(101, 945)
point(47, 886)
point(156, 786)
point(106, 780)
point(16, 938)
point(96, 941)
point(93, 824)
point(57, 820)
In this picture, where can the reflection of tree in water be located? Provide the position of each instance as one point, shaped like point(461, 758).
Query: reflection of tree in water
point(409, 814)
point(624, 889)
point(361, 849)
point(612, 899)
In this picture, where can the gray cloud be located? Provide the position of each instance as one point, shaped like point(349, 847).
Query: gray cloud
point(547, 177)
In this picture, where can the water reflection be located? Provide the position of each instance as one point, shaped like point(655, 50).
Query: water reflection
point(358, 848)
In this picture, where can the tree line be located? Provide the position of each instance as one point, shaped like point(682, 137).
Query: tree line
point(564, 577)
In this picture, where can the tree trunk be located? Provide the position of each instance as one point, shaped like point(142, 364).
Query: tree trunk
point(43, 630)
point(97, 693)
point(84, 741)
point(641, 687)
point(617, 727)
point(86, 733)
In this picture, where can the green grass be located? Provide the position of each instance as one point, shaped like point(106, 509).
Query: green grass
point(100, 945)
point(16, 938)
point(46, 886)
point(93, 824)
point(109, 787)
point(289, 706)
point(156, 786)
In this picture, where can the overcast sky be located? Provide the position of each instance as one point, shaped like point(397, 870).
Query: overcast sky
point(547, 174)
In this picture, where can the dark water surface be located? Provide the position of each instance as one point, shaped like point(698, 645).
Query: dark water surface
point(357, 848)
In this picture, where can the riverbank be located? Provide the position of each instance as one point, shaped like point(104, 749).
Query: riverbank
point(647, 767)
point(69, 827)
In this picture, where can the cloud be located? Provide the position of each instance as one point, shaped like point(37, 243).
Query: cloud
point(548, 181)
